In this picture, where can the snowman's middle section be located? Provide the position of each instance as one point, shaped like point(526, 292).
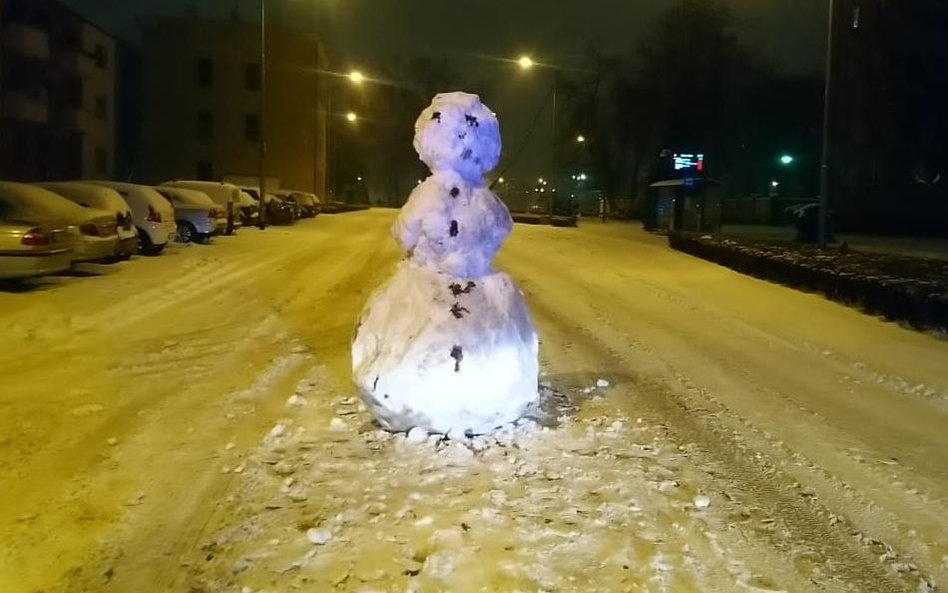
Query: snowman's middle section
point(446, 353)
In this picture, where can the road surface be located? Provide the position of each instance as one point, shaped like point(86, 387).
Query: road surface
point(187, 423)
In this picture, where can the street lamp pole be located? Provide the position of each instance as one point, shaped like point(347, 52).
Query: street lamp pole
point(262, 215)
point(553, 143)
point(827, 106)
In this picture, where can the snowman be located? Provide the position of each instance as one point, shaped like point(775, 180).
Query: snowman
point(448, 344)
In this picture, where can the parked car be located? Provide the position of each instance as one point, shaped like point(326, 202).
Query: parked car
point(152, 214)
point(249, 209)
point(103, 198)
point(31, 249)
point(198, 218)
point(279, 211)
point(92, 231)
point(307, 203)
point(225, 195)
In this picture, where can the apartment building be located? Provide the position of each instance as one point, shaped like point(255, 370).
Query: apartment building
point(201, 103)
point(57, 93)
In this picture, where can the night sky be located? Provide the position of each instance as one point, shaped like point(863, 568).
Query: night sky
point(361, 33)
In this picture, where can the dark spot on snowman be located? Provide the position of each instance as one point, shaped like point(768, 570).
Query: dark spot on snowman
point(385, 396)
point(466, 155)
point(465, 527)
point(462, 136)
point(436, 116)
point(412, 572)
point(458, 311)
point(458, 290)
point(455, 192)
point(472, 121)
point(375, 383)
point(453, 231)
point(458, 355)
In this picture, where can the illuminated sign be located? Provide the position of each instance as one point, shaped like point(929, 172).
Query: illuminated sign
point(689, 162)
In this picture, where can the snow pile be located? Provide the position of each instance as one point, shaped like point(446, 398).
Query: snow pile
point(448, 343)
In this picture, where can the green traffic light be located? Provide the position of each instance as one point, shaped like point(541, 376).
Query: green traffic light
point(786, 159)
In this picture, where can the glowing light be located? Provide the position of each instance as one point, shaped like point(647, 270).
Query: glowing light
point(786, 159)
point(526, 62)
point(501, 180)
point(359, 178)
point(774, 184)
point(582, 177)
point(356, 77)
point(580, 138)
point(352, 117)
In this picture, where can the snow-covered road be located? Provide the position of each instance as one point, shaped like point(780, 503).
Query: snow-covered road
point(184, 423)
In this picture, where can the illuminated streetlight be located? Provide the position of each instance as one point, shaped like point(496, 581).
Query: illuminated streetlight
point(359, 178)
point(581, 177)
point(774, 184)
point(786, 159)
point(356, 77)
point(526, 62)
point(352, 117)
point(501, 180)
point(580, 138)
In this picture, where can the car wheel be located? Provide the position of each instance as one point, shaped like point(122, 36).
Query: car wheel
point(186, 232)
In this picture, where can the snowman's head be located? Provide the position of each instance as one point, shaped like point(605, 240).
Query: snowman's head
point(458, 133)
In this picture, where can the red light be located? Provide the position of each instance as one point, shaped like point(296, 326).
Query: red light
point(35, 237)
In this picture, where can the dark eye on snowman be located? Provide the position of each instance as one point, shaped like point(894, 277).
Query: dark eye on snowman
point(436, 116)
point(471, 121)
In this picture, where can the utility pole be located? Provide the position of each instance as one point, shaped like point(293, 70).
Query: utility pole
point(262, 215)
point(827, 107)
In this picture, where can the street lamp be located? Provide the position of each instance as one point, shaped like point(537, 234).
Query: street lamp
point(786, 160)
point(262, 215)
point(580, 139)
point(823, 212)
point(356, 77)
point(352, 117)
point(526, 63)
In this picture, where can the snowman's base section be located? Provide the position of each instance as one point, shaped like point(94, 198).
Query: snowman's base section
point(446, 354)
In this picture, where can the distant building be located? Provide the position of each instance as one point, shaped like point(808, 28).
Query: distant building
point(889, 158)
point(57, 94)
point(201, 96)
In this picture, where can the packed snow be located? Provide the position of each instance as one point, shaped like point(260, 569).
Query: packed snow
point(750, 437)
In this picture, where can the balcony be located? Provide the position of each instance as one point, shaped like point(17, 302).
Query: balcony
point(23, 106)
point(26, 40)
point(74, 63)
point(78, 120)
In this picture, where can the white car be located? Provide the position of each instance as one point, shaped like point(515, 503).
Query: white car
point(152, 214)
point(225, 195)
point(197, 216)
point(91, 231)
point(29, 249)
point(103, 198)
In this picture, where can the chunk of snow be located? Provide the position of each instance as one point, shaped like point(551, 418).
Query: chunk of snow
point(337, 425)
point(602, 383)
point(702, 502)
point(296, 401)
point(278, 431)
point(319, 537)
point(417, 435)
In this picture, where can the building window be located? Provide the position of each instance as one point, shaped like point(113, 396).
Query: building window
point(252, 77)
point(205, 171)
point(205, 125)
point(252, 128)
point(102, 107)
point(205, 72)
point(101, 161)
point(100, 56)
